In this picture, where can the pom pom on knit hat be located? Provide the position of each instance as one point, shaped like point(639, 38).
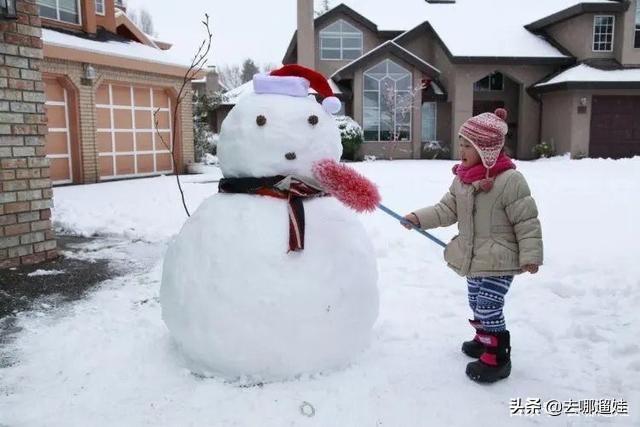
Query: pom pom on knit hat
point(502, 113)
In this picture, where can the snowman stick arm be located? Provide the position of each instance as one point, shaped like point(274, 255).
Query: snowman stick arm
point(400, 218)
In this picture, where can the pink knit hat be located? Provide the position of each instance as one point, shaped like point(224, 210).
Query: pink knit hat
point(486, 133)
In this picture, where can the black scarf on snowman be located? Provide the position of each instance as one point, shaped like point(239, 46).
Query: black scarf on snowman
point(292, 188)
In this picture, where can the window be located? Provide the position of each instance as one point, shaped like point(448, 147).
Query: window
point(340, 41)
point(603, 27)
point(100, 7)
point(60, 10)
point(492, 83)
point(429, 121)
point(388, 99)
point(637, 29)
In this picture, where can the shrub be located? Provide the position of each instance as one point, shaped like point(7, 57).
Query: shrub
point(352, 136)
point(544, 150)
point(435, 150)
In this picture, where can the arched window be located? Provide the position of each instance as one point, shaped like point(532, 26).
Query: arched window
point(340, 41)
point(388, 100)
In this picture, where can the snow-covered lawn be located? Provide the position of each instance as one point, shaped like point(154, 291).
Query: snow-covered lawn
point(108, 360)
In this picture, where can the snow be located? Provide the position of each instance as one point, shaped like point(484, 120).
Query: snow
point(108, 360)
point(585, 73)
point(41, 272)
point(492, 28)
point(147, 209)
point(131, 50)
point(246, 149)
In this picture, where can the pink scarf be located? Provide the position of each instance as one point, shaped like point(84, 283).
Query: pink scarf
point(480, 173)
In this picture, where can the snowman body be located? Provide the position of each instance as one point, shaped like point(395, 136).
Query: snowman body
point(235, 299)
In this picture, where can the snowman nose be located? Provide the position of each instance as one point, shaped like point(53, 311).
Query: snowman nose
point(290, 156)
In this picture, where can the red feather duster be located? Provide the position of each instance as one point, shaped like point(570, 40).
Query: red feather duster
point(347, 185)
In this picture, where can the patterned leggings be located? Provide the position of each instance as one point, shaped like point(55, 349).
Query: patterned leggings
point(486, 299)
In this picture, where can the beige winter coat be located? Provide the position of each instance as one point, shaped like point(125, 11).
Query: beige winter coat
point(499, 230)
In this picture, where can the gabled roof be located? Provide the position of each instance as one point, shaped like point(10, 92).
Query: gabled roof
point(469, 31)
point(585, 76)
point(123, 20)
point(578, 9)
point(341, 9)
point(386, 48)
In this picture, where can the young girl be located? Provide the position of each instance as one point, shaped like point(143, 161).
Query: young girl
point(499, 236)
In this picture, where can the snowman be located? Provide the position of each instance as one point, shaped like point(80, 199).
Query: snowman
point(273, 277)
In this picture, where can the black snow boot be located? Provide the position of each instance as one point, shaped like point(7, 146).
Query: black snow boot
point(474, 348)
point(495, 362)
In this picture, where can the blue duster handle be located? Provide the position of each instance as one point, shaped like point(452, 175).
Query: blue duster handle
point(386, 210)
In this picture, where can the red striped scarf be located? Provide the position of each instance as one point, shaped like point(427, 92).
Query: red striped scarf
point(293, 189)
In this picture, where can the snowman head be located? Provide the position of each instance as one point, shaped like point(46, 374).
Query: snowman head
point(278, 128)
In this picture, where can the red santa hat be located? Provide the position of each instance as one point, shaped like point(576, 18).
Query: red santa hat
point(295, 80)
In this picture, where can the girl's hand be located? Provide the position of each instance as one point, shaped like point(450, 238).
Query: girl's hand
point(530, 268)
point(413, 219)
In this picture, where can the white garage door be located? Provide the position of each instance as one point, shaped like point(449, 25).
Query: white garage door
point(127, 140)
point(58, 140)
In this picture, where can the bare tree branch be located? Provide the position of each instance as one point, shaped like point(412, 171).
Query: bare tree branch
point(197, 64)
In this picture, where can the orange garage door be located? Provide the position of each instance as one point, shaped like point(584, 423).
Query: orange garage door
point(128, 144)
point(58, 140)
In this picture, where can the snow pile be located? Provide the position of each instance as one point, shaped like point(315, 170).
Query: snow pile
point(41, 272)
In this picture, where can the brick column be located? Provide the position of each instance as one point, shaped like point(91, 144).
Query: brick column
point(26, 236)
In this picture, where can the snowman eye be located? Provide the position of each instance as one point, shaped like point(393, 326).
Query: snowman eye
point(261, 120)
point(313, 120)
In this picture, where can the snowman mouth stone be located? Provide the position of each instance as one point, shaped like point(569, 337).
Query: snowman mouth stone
point(290, 156)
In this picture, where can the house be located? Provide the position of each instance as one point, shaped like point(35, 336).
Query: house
point(211, 86)
point(566, 70)
point(110, 94)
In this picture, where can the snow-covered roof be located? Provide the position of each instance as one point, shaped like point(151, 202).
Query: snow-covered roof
point(115, 47)
point(474, 28)
point(235, 94)
point(584, 73)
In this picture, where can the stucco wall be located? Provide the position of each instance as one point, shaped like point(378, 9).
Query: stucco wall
point(528, 107)
point(562, 122)
point(625, 52)
point(556, 120)
point(369, 41)
point(576, 35)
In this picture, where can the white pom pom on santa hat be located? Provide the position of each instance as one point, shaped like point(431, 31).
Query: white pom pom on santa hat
point(331, 105)
point(295, 80)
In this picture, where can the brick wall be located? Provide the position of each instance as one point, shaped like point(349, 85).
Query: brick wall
point(25, 187)
point(87, 111)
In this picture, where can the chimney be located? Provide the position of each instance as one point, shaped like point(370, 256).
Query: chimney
point(306, 36)
point(212, 84)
